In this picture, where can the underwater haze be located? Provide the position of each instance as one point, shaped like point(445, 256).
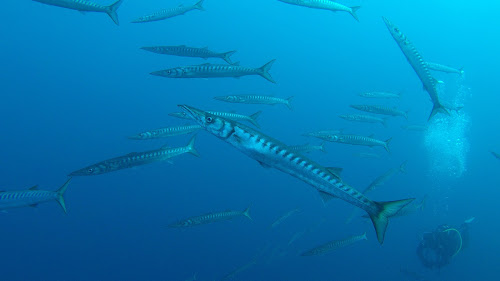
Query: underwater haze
point(75, 86)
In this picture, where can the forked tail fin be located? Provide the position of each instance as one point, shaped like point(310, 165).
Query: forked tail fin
point(438, 108)
point(353, 11)
point(402, 167)
point(227, 56)
point(264, 71)
point(191, 148)
point(246, 213)
point(289, 103)
point(386, 145)
point(322, 147)
point(253, 118)
point(199, 5)
point(60, 195)
point(380, 219)
point(111, 11)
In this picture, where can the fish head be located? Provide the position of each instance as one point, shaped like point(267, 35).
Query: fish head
point(171, 72)
point(212, 123)
point(394, 30)
point(89, 171)
point(140, 136)
point(151, 49)
point(182, 115)
point(226, 98)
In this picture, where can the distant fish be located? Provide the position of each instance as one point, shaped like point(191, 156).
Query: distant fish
point(170, 13)
point(367, 155)
point(284, 217)
point(379, 109)
point(306, 148)
point(444, 68)
point(380, 180)
point(497, 155)
point(86, 6)
point(32, 197)
point(357, 140)
point(380, 95)
point(363, 118)
point(208, 70)
point(229, 115)
point(325, 5)
point(185, 51)
point(411, 208)
point(135, 159)
point(322, 133)
point(232, 274)
point(211, 218)
point(415, 127)
point(254, 99)
point(334, 245)
point(166, 132)
point(419, 66)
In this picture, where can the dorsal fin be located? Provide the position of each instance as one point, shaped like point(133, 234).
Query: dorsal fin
point(182, 46)
point(35, 187)
point(325, 197)
point(371, 136)
point(335, 171)
point(206, 63)
point(205, 48)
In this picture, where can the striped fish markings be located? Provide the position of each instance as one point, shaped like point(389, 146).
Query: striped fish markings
point(86, 6)
point(334, 245)
point(379, 95)
point(357, 140)
point(170, 13)
point(444, 68)
point(419, 66)
point(254, 99)
point(166, 132)
point(135, 159)
point(185, 51)
point(306, 148)
point(364, 118)
point(380, 109)
point(325, 5)
point(211, 218)
point(274, 154)
point(229, 115)
point(208, 70)
point(32, 197)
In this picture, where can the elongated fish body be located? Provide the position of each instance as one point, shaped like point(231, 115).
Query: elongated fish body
point(443, 68)
point(379, 95)
point(334, 245)
point(272, 153)
point(232, 274)
point(307, 148)
point(254, 99)
point(356, 140)
point(363, 118)
point(496, 155)
point(32, 197)
point(229, 115)
point(193, 52)
point(379, 109)
point(170, 13)
point(324, 5)
point(208, 70)
point(419, 66)
point(211, 218)
point(86, 6)
point(166, 132)
point(322, 133)
point(380, 180)
point(415, 127)
point(284, 217)
point(135, 159)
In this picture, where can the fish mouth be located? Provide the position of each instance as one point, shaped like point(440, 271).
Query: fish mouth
point(158, 73)
point(192, 112)
point(387, 22)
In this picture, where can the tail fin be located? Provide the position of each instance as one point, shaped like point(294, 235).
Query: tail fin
point(191, 148)
point(386, 144)
point(353, 11)
point(264, 71)
point(227, 56)
point(380, 219)
point(253, 118)
point(246, 213)
point(322, 147)
point(60, 195)
point(199, 5)
point(384, 122)
point(364, 236)
point(288, 103)
point(406, 114)
point(111, 11)
point(438, 108)
point(402, 167)
point(421, 207)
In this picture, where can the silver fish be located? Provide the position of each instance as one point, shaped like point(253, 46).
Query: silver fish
point(170, 13)
point(444, 68)
point(334, 245)
point(322, 133)
point(325, 5)
point(364, 118)
point(86, 6)
point(419, 66)
point(193, 52)
point(306, 148)
point(229, 115)
point(357, 140)
point(284, 217)
point(135, 159)
point(379, 109)
point(254, 99)
point(380, 180)
point(208, 70)
point(211, 218)
point(274, 154)
point(166, 132)
point(32, 197)
point(379, 95)
point(232, 274)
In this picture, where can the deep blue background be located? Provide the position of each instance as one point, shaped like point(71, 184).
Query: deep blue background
point(74, 86)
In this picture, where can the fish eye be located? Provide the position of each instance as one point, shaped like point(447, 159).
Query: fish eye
point(169, 71)
point(396, 29)
point(209, 119)
point(90, 170)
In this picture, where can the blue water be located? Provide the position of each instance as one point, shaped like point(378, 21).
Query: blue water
point(75, 86)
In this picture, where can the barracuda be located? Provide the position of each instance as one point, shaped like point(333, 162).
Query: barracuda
point(356, 140)
point(363, 118)
point(306, 148)
point(254, 99)
point(379, 109)
point(272, 153)
point(380, 180)
point(334, 245)
point(166, 132)
point(419, 66)
point(185, 51)
point(32, 197)
point(229, 115)
point(211, 218)
point(444, 68)
point(325, 5)
point(208, 70)
point(170, 13)
point(86, 6)
point(135, 159)
point(379, 95)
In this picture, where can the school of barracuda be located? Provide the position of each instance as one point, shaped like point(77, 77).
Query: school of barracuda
point(268, 151)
